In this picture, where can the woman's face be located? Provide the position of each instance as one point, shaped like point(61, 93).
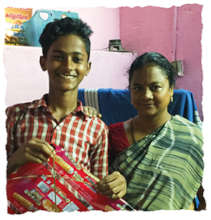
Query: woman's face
point(150, 91)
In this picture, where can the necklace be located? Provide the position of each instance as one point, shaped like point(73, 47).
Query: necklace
point(152, 131)
point(132, 131)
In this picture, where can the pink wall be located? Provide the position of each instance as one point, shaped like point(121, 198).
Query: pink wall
point(26, 81)
point(147, 29)
point(189, 50)
point(104, 23)
point(174, 32)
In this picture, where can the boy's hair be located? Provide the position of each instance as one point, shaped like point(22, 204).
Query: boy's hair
point(62, 27)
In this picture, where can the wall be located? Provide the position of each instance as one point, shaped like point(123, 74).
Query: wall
point(189, 50)
point(26, 81)
point(108, 68)
point(174, 32)
point(105, 23)
point(148, 29)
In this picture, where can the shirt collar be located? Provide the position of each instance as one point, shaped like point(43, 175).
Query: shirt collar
point(42, 103)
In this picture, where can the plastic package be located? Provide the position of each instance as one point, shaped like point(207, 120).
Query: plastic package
point(15, 17)
point(59, 185)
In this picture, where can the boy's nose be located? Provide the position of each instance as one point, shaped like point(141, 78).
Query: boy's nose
point(69, 64)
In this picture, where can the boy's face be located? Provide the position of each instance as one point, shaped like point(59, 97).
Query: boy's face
point(66, 63)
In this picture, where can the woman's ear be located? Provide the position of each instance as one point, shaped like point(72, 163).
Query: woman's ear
point(43, 63)
point(172, 91)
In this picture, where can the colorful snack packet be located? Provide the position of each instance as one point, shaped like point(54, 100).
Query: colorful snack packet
point(59, 185)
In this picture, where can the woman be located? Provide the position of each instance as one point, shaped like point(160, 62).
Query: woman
point(159, 155)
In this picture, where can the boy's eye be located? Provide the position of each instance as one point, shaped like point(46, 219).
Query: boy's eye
point(77, 59)
point(58, 57)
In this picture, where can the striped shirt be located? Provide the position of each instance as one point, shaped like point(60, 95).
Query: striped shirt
point(85, 138)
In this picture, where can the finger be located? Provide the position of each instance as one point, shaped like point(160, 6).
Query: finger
point(42, 142)
point(114, 179)
point(106, 189)
point(31, 158)
point(104, 186)
point(91, 112)
point(113, 195)
point(114, 189)
point(41, 147)
point(112, 176)
point(35, 154)
point(116, 193)
point(120, 194)
point(47, 148)
point(87, 110)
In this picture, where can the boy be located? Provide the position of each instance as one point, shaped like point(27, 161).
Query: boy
point(58, 117)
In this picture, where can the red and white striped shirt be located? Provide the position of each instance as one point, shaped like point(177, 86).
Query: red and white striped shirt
point(85, 138)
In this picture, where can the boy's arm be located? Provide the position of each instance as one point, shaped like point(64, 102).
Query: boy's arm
point(34, 150)
point(115, 184)
point(99, 154)
point(13, 115)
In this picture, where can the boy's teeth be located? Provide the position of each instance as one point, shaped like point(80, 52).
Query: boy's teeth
point(68, 76)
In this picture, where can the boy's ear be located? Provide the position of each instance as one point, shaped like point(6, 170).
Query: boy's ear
point(43, 63)
point(88, 68)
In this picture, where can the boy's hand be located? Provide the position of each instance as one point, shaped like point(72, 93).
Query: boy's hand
point(91, 111)
point(113, 185)
point(35, 150)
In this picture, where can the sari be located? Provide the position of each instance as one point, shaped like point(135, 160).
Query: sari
point(164, 169)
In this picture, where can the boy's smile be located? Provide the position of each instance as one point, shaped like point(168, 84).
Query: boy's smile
point(66, 62)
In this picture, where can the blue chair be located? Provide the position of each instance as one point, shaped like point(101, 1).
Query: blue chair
point(115, 106)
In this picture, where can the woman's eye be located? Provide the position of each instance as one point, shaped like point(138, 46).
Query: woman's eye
point(137, 88)
point(155, 87)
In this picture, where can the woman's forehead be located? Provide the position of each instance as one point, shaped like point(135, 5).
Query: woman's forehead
point(150, 72)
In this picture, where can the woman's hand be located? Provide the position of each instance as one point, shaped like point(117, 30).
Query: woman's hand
point(35, 150)
point(91, 111)
point(113, 185)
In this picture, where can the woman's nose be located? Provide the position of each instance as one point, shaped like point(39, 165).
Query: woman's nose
point(148, 93)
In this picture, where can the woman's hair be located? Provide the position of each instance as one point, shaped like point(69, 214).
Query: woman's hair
point(156, 59)
point(62, 27)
